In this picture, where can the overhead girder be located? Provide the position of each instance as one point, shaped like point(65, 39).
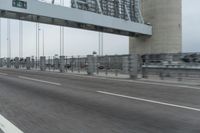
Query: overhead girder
point(48, 13)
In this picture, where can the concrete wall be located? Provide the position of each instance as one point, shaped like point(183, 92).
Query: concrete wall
point(166, 19)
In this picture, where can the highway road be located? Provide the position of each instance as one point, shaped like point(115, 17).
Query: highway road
point(47, 102)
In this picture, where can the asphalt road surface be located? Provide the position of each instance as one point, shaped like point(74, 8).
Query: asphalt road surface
point(43, 102)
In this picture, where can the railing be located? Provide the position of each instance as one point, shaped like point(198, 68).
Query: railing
point(110, 65)
point(179, 67)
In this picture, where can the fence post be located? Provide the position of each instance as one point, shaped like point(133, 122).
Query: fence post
point(125, 64)
point(16, 63)
point(78, 64)
point(1, 62)
point(8, 63)
point(91, 64)
point(55, 63)
point(36, 62)
point(42, 63)
point(144, 72)
point(180, 74)
point(28, 63)
point(32, 62)
point(62, 64)
point(133, 66)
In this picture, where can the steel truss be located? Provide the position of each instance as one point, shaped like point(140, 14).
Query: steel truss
point(124, 9)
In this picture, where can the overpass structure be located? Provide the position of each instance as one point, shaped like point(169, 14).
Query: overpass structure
point(127, 24)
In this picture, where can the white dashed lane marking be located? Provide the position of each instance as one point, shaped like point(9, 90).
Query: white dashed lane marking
point(38, 80)
point(150, 101)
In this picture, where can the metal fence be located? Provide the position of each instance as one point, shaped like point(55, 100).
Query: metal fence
point(189, 59)
point(183, 66)
point(110, 65)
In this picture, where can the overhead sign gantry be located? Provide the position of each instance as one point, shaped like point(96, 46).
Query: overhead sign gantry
point(119, 18)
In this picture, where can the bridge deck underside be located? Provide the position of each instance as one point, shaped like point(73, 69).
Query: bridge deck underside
point(64, 16)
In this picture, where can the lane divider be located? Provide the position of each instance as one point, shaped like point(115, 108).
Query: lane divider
point(150, 101)
point(7, 127)
point(38, 80)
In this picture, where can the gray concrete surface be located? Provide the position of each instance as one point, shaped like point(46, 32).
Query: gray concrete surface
point(73, 105)
point(166, 18)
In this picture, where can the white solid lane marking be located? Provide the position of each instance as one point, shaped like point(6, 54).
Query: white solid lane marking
point(8, 127)
point(38, 80)
point(4, 74)
point(150, 101)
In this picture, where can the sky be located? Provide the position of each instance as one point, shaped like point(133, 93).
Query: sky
point(82, 42)
point(191, 27)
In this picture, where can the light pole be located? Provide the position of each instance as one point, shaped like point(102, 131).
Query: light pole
point(43, 41)
point(8, 39)
point(36, 46)
point(38, 41)
point(20, 39)
point(101, 44)
point(0, 37)
point(62, 34)
point(42, 30)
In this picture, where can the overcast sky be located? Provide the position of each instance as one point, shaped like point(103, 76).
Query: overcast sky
point(81, 42)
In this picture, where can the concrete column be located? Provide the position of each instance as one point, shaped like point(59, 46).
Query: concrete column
point(8, 63)
point(1, 62)
point(62, 64)
point(91, 68)
point(28, 63)
point(16, 63)
point(166, 18)
point(133, 66)
point(42, 63)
